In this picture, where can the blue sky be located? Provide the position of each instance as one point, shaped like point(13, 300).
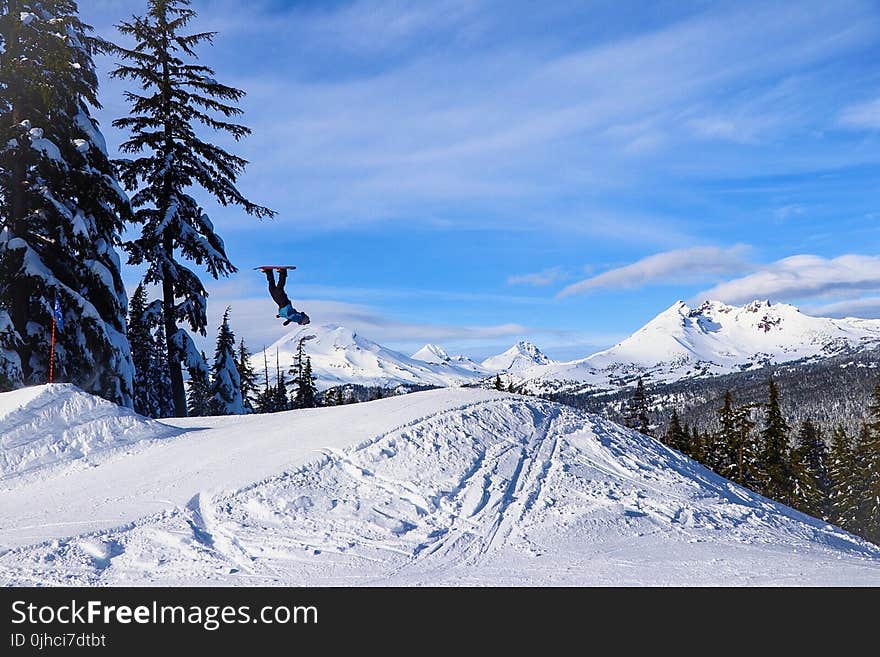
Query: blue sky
point(473, 173)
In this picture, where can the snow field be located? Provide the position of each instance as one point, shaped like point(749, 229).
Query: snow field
point(443, 487)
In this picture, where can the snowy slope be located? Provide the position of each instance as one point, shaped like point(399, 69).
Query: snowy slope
point(520, 358)
point(442, 487)
point(712, 339)
point(340, 356)
point(50, 426)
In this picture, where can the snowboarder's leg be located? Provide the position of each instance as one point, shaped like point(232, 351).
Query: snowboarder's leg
point(270, 278)
point(282, 279)
point(276, 291)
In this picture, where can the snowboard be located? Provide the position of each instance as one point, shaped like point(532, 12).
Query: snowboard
point(274, 267)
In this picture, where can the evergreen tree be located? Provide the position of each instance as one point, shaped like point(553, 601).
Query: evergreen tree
point(637, 416)
point(778, 477)
point(297, 368)
point(178, 98)
point(812, 493)
point(199, 392)
point(698, 446)
point(266, 398)
point(720, 445)
point(842, 474)
point(225, 395)
point(142, 353)
point(160, 366)
point(866, 458)
point(280, 397)
point(248, 376)
point(61, 208)
point(676, 437)
point(498, 384)
point(151, 385)
point(746, 466)
point(303, 379)
point(306, 392)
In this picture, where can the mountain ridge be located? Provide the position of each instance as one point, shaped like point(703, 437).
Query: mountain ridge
point(681, 342)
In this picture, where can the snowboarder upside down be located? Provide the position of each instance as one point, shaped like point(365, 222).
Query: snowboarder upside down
point(285, 307)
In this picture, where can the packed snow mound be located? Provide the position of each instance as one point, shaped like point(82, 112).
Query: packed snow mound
point(59, 424)
point(341, 356)
point(488, 489)
point(714, 339)
point(520, 358)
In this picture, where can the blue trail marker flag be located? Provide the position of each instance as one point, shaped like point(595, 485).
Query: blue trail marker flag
point(56, 313)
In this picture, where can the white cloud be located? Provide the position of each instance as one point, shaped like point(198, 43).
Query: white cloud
point(867, 308)
point(540, 278)
point(862, 115)
point(677, 266)
point(447, 113)
point(802, 277)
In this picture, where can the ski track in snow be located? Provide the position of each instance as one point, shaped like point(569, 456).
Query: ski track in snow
point(471, 487)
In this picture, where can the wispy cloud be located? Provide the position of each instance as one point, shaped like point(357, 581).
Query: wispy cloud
point(540, 278)
point(866, 307)
point(863, 115)
point(802, 277)
point(375, 124)
point(678, 266)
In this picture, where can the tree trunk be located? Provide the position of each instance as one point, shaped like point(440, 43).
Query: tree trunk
point(175, 372)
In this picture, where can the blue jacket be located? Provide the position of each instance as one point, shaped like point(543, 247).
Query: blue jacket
point(291, 315)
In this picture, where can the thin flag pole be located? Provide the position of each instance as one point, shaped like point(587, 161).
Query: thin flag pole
point(52, 351)
point(57, 323)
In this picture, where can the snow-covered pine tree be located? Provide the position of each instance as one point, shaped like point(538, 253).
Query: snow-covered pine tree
point(866, 454)
point(720, 444)
point(177, 96)
point(10, 345)
point(775, 460)
point(841, 470)
point(61, 207)
point(160, 365)
point(676, 437)
point(698, 445)
point(143, 349)
point(225, 394)
point(266, 399)
point(637, 412)
point(306, 392)
point(812, 490)
point(199, 390)
point(247, 375)
point(280, 397)
point(296, 367)
point(746, 451)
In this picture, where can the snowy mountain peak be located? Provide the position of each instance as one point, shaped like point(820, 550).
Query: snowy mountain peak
point(530, 350)
point(520, 357)
point(340, 356)
point(431, 353)
point(715, 338)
